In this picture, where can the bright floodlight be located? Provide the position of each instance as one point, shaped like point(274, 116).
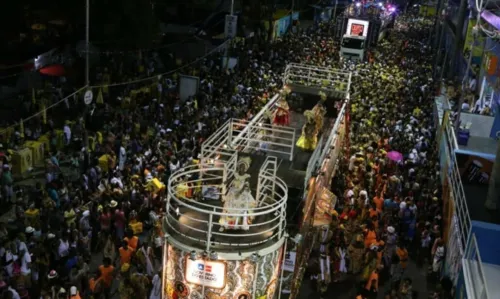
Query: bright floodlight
point(392, 9)
point(380, 4)
point(358, 4)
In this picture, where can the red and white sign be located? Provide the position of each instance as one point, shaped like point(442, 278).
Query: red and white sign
point(357, 27)
point(211, 274)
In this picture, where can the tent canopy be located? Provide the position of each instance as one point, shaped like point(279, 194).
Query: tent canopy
point(55, 70)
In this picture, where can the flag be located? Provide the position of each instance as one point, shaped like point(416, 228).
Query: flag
point(206, 268)
point(21, 128)
point(100, 99)
point(44, 114)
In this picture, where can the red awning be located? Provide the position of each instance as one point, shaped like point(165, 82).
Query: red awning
point(55, 70)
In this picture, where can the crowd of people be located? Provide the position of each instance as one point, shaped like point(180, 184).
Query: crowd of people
point(92, 227)
point(389, 210)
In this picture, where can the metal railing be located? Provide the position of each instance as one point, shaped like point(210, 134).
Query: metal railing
point(323, 78)
point(474, 276)
point(449, 145)
point(196, 223)
point(258, 118)
point(279, 140)
point(265, 186)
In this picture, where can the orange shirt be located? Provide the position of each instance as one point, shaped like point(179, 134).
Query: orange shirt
point(93, 283)
point(371, 237)
point(372, 281)
point(379, 203)
point(107, 274)
point(132, 242)
point(125, 255)
point(373, 213)
point(403, 256)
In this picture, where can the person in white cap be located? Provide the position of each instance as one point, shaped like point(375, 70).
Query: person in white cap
point(73, 293)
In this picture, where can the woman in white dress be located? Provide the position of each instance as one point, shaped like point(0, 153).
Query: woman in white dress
point(239, 200)
point(156, 290)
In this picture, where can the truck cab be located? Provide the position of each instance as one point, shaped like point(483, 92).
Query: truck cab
point(353, 47)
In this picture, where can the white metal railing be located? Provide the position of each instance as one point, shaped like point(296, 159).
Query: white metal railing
point(319, 77)
point(256, 119)
point(474, 276)
point(279, 139)
point(455, 180)
point(265, 185)
point(196, 223)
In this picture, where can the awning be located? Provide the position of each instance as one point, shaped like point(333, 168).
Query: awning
point(55, 70)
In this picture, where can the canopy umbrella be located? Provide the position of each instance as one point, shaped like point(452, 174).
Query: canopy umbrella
point(55, 70)
point(395, 156)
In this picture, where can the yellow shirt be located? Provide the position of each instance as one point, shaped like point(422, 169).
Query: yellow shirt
point(70, 217)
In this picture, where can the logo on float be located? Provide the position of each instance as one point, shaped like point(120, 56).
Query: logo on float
point(206, 268)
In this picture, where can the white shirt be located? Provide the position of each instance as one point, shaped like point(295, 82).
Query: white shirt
point(63, 248)
point(15, 294)
point(25, 261)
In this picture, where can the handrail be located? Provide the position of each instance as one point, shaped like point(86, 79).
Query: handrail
point(186, 217)
point(474, 262)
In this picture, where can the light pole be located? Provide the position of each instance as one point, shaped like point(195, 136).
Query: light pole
point(87, 36)
point(335, 9)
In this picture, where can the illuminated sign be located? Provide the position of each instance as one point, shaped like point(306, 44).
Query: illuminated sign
point(207, 273)
point(357, 27)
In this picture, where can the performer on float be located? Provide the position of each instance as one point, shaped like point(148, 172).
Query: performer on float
point(239, 200)
point(282, 113)
point(319, 111)
point(309, 139)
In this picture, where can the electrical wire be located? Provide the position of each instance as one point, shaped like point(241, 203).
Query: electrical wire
point(218, 48)
point(41, 111)
point(134, 51)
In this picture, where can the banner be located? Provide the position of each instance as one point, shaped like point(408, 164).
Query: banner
point(230, 29)
point(474, 42)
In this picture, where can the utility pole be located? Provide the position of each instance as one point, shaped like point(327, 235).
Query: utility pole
point(335, 10)
point(437, 38)
point(87, 45)
point(458, 36)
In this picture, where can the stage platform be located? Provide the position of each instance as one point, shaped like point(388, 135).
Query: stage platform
point(291, 172)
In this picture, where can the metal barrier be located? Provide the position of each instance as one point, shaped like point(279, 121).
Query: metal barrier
point(258, 118)
point(449, 144)
point(474, 276)
point(279, 139)
point(196, 223)
point(327, 79)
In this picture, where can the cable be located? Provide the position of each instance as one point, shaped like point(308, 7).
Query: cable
point(41, 111)
point(163, 74)
point(134, 51)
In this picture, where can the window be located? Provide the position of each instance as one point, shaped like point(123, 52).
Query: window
point(353, 43)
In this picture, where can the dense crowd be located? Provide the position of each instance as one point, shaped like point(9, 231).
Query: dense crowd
point(96, 216)
point(389, 209)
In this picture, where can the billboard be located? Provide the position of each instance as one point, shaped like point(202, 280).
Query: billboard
point(188, 86)
point(357, 27)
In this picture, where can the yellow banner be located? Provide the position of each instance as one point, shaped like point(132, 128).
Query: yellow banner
point(476, 43)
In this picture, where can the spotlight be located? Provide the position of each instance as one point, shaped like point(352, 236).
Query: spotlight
point(254, 257)
point(297, 239)
point(358, 4)
point(380, 4)
point(392, 9)
point(213, 255)
point(192, 255)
